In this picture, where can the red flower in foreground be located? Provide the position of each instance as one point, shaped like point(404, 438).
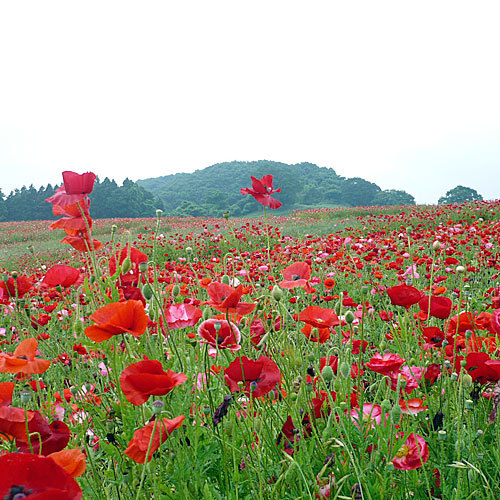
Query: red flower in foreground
point(220, 334)
point(62, 275)
point(412, 454)
point(13, 422)
point(82, 243)
point(261, 190)
point(23, 360)
point(440, 306)
point(258, 377)
point(35, 477)
point(146, 378)
point(78, 183)
point(404, 295)
point(117, 318)
point(136, 257)
point(71, 460)
point(6, 392)
point(385, 364)
point(481, 367)
point(296, 275)
point(226, 299)
point(17, 287)
point(138, 446)
point(45, 438)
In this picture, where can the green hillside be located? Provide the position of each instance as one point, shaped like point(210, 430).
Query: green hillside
point(215, 189)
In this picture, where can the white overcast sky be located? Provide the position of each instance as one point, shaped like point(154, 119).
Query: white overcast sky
point(404, 94)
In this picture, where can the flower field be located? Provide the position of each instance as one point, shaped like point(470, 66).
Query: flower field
point(343, 354)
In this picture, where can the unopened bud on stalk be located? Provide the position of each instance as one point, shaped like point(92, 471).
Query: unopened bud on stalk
point(349, 317)
point(327, 373)
point(78, 327)
point(126, 265)
point(25, 396)
point(460, 269)
point(14, 274)
point(189, 250)
point(225, 279)
point(442, 435)
point(114, 227)
point(159, 211)
point(454, 376)
point(436, 246)
point(469, 404)
point(364, 290)
point(143, 267)
point(467, 380)
point(338, 307)
point(226, 215)
point(176, 290)
point(345, 369)
point(158, 406)
point(396, 412)
point(277, 293)
point(147, 291)
point(386, 405)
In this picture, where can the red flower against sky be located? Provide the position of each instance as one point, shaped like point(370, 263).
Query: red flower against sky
point(62, 275)
point(23, 359)
point(412, 454)
point(404, 295)
point(220, 334)
point(35, 477)
point(385, 364)
point(45, 438)
point(296, 275)
point(146, 378)
point(261, 190)
point(258, 377)
point(78, 183)
point(117, 318)
point(226, 299)
point(440, 306)
point(138, 446)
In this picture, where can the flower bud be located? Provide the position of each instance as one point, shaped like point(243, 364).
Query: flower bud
point(454, 376)
point(277, 293)
point(114, 227)
point(469, 404)
point(225, 279)
point(345, 369)
point(176, 290)
point(460, 269)
point(396, 413)
point(349, 317)
point(442, 435)
point(147, 291)
point(189, 250)
point(158, 406)
point(143, 267)
point(386, 405)
point(338, 307)
point(25, 396)
point(159, 211)
point(126, 265)
point(327, 373)
point(467, 380)
point(436, 246)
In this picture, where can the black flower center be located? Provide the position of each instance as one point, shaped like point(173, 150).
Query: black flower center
point(18, 493)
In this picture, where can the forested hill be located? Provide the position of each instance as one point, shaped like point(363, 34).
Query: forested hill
point(215, 189)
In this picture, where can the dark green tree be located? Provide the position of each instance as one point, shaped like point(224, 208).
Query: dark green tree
point(460, 194)
point(359, 192)
point(393, 197)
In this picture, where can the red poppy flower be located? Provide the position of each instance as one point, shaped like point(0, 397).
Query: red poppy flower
point(73, 226)
point(481, 367)
point(370, 416)
point(261, 190)
point(139, 445)
point(319, 317)
point(412, 454)
point(23, 360)
point(182, 315)
point(117, 318)
point(495, 321)
point(13, 422)
point(433, 335)
point(62, 275)
point(257, 377)
point(385, 364)
point(146, 378)
point(136, 257)
point(71, 460)
point(296, 275)
point(314, 334)
point(220, 334)
point(78, 183)
point(440, 306)
point(6, 392)
point(404, 295)
point(16, 287)
point(63, 199)
point(432, 373)
point(412, 406)
point(82, 243)
point(77, 209)
point(35, 477)
point(45, 438)
point(226, 299)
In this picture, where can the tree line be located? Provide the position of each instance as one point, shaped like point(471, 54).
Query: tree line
point(108, 200)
